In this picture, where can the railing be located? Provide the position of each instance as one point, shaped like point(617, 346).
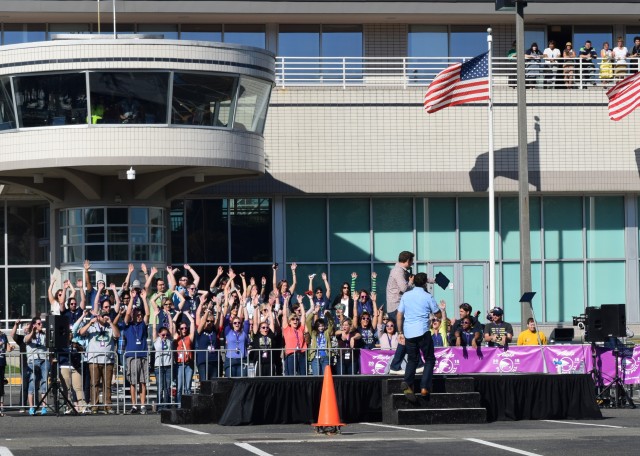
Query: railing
point(407, 72)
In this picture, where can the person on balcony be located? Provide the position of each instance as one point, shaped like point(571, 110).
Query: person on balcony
point(620, 54)
point(534, 66)
point(588, 57)
point(551, 56)
point(606, 65)
point(569, 56)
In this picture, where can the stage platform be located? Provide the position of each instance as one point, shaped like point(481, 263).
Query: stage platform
point(290, 400)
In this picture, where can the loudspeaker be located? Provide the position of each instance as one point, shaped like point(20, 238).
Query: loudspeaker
point(57, 332)
point(593, 331)
point(614, 320)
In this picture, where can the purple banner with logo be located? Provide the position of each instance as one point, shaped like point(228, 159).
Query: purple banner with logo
point(375, 362)
point(552, 359)
point(567, 359)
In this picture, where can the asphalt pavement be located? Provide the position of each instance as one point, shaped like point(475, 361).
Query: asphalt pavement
point(112, 435)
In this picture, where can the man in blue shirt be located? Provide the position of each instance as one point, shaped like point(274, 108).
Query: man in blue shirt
point(136, 351)
point(416, 309)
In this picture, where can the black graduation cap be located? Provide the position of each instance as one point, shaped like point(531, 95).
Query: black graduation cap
point(442, 280)
point(528, 296)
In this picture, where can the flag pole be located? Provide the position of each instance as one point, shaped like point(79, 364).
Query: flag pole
point(114, 20)
point(98, 17)
point(492, 210)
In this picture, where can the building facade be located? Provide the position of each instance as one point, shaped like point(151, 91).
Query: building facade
point(346, 171)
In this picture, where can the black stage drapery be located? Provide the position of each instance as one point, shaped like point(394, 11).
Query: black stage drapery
point(290, 400)
point(537, 396)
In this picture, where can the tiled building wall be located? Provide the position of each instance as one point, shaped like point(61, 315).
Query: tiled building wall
point(381, 141)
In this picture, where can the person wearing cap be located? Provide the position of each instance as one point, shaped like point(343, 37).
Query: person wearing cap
point(569, 57)
point(417, 308)
point(101, 333)
point(588, 57)
point(498, 333)
point(136, 350)
point(531, 335)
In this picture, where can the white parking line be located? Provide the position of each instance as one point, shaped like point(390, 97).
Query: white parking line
point(4, 451)
point(193, 431)
point(394, 427)
point(252, 449)
point(503, 447)
point(584, 424)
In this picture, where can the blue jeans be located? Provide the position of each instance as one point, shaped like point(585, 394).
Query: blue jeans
point(295, 364)
point(318, 365)
point(163, 379)
point(208, 371)
point(416, 345)
point(39, 373)
point(233, 368)
point(401, 351)
point(185, 375)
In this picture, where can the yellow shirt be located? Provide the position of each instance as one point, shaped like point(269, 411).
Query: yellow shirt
point(527, 337)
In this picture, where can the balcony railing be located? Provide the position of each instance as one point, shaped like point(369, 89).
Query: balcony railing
point(419, 71)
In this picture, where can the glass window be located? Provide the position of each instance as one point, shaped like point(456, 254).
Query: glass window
point(27, 233)
point(428, 41)
point(342, 41)
point(511, 290)
point(4, 308)
point(632, 32)
point(473, 216)
point(382, 270)
point(248, 35)
point(604, 216)
point(207, 230)
point(436, 229)
point(306, 219)
point(562, 227)
point(52, 99)
point(7, 116)
point(28, 292)
point(299, 40)
point(176, 220)
point(68, 28)
point(473, 284)
point(253, 100)
point(139, 216)
point(349, 229)
point(510, 227)
point(117, 216)
point(606, 283)
point(392, 227)
point(106, 28)
point(201, 32)
point(534, 35)
point(24, 33)
point(468, 41)
point(251, 230)
point(168, 31)
point(202, 99)
point(564, 296)
point(128, 97)
point(94, 216)
point(594, 33)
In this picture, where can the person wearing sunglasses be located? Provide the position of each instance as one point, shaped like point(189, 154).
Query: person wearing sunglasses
point(439, 326)
point(345, 298)
point(295, 343)
point(317, 295)
point(163, 345)
point(236, 336)
point(466, 335)
point(207, 353)
point(387, 334)
point(38, 361)
point(57, 299)
point(263, 342)
point(320, 332)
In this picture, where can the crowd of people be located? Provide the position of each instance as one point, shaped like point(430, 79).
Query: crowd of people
point(553, 67)
point(235, 327)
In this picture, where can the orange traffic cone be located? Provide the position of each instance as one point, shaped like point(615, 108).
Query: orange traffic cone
point(328, 417)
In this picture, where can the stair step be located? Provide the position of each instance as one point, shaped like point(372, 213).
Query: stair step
point(435, 401)
point(176, 416)
point(440, 384)
point(436, 416)
point(222, 385)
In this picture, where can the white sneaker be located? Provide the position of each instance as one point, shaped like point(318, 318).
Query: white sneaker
point(420, 370)
point(396, 372)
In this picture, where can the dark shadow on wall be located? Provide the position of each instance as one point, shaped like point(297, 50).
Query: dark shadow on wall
point(638, 160)
point(506, 164)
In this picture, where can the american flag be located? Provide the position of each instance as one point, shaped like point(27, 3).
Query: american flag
point(624, 97)
point(458, 84)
